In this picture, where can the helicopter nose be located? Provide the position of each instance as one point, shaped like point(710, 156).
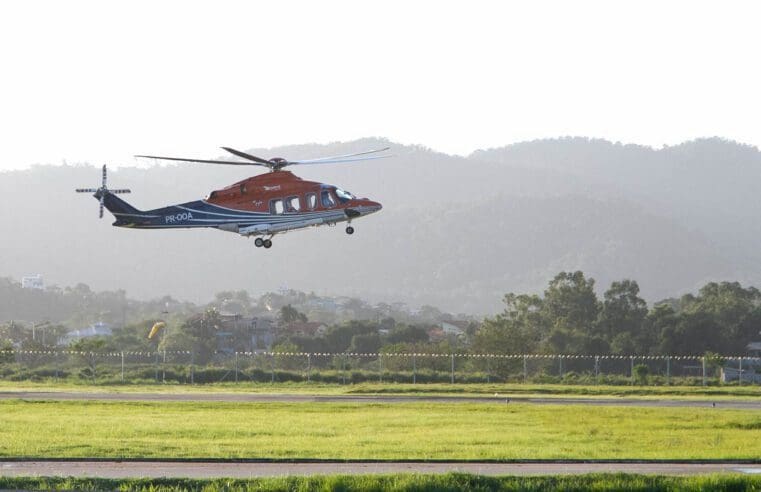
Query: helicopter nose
point(369, 207)
point(366, 207)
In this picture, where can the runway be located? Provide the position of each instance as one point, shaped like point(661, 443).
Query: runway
point(156, 469)
point(296, 398)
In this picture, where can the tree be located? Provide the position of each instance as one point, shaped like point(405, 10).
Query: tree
point(289, 314)
point(201, 330)
point(570, 302)
point(622, 314)
point(88, 350)
point(369, 343)
point(408, 334)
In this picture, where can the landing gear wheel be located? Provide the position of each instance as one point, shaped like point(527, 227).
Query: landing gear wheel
point(267, 243)
point(349, 230)
point(258, 242)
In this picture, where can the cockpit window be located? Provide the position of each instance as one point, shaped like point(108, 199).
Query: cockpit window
point(343, 195)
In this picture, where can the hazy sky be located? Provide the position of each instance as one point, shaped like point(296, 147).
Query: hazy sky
point(100, 81)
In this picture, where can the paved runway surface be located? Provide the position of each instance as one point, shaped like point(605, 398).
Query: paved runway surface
point(264, 398)
point(117, 469)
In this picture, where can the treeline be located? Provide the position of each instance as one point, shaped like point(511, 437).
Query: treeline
point(569, 318)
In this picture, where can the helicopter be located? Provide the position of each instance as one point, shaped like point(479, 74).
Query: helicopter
point(260, 206)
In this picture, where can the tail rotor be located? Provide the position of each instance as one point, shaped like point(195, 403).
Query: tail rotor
point(100, 193)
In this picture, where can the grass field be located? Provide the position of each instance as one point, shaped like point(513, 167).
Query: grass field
point(402, 482)
point(507, 390)
point(372, 431)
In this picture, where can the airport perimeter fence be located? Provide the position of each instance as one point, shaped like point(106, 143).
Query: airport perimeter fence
point(185, 367)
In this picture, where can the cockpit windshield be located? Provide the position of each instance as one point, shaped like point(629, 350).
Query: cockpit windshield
point(344, 196)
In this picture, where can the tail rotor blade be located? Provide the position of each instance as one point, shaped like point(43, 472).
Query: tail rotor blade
point(101, 205)
point(86, 190)
point(104, 176)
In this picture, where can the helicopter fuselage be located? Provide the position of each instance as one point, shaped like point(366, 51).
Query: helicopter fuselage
point(261, 205)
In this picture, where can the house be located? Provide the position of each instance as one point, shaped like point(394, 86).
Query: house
point(456, 328)
point(98, 329)
point(248, 334)
point(32, 282)
point(436, 334)
point(749, 370)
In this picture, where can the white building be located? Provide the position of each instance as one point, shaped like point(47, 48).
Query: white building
point(98, 329)
point(32, 282)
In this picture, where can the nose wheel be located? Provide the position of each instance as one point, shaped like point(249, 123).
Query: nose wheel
point(349, 230)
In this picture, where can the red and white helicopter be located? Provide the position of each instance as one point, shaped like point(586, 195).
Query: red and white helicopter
point(260, 206)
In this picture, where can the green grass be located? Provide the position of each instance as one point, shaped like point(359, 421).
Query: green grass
point(484, 389)
point(402, 482)
point(347, 431)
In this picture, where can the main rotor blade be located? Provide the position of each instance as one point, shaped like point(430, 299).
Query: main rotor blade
point(332, 158)
point(250, 157)
point(333, 161)
point(183, 159)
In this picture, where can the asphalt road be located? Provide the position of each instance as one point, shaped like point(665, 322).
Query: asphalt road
point(131, 469)
point(265, 398)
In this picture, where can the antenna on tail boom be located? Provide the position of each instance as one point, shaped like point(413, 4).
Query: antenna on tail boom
point(100, 193)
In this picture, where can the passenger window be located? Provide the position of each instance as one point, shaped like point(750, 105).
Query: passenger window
point(311, 201)
point(327, 199)
point(276, 206)
point(292, 204)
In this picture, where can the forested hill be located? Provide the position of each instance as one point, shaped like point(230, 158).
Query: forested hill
point(455, 232)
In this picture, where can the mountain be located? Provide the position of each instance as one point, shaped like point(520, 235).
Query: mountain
point(455, 232)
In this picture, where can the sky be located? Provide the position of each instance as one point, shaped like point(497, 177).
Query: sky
point(100, 81)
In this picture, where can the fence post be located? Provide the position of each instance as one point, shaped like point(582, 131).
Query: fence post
point(272, 367)
point(192, 367)
point(668, 370)
point(157, 366)
point(343, 368)
point(631, 369)
point(597, 369)
point(704, 369)
point(740, 374)
point(380, 368)
point(452, 379)
point(163, 368)
point(488, 369)
point(414, 370)
point(309, 367)
point(561, 366)
point(122, 366)
point(236, 366)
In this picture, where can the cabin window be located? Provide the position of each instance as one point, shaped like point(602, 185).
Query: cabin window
point(276, 206)
point(327, 199)
point(292, 204)
point(213, 195)
point(242, 188)
point(311, 201)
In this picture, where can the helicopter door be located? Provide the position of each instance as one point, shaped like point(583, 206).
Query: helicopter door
point(327, 199)
point(276, 206)
point(311, 201)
